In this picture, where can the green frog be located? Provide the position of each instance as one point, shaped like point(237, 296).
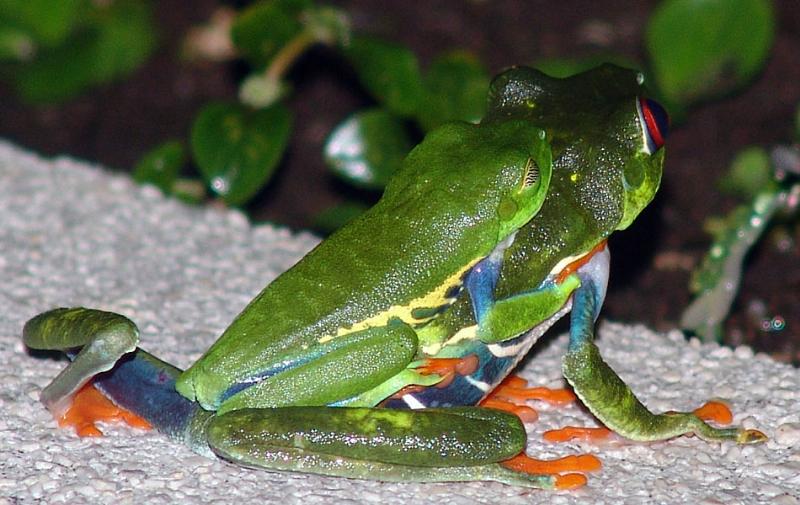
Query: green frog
point(486, 235)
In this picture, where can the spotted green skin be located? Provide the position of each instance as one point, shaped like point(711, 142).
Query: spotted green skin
point(602, 175)
point(348, 309)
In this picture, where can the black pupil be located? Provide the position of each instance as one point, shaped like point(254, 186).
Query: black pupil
point(660, 117)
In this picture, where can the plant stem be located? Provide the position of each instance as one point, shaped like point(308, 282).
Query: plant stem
point(287, 56)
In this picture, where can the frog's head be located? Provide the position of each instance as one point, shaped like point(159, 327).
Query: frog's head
point(606, 137)
point(495, 176)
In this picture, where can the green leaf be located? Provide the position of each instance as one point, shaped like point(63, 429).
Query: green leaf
point(389, 72)
point(455, 89)
point(750, 172)
point(263, 28)
point(161, 166)
point(330, 220)
point(15, 44)
point(117, 39)
point(367, 148)
point(705, 48)
point(237, 149)
point(47, 22)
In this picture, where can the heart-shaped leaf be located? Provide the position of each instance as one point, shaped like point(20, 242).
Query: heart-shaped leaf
point(161, 166)
point(455, 89)
point(750, 173)
point(117, 39)
point(705, 48)
point(367, 148)
point(390, 72)
point(46, 22)
point(237, 149)
point(264, 27)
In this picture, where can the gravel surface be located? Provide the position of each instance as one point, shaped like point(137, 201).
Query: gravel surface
point(71, 234)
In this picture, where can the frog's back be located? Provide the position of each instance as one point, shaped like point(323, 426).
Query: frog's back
point(438, 216)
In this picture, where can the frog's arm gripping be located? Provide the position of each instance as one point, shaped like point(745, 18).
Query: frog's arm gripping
point(606, 395)
point(130, 377)
point(501, 320)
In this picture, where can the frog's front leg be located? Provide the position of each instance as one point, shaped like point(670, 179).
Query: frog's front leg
point(139, 386)
point(504, 319)
point(606, 395)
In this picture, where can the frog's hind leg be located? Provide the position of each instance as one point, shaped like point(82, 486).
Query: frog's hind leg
point(136, 387)
point(607, 396)
point(427, 445)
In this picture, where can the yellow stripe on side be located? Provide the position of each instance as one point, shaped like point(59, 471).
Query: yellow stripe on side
point(434, 298)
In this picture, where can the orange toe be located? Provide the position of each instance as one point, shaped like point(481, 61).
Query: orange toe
point(525, 413)
point(570, 481)
point(526, 464)
point(577, 433)
point(715, 411)
point(89, 406)
point(515, 388)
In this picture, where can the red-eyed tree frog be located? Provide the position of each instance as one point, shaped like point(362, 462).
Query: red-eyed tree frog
point(486, 235)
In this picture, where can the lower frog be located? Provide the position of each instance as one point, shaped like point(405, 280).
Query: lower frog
point(486, 235)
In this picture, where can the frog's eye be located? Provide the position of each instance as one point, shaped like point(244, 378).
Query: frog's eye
point(531, 174)
point(655, 123)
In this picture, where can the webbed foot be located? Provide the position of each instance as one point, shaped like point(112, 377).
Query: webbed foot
point(513, 393)
point(90, 406)
point(567, 433)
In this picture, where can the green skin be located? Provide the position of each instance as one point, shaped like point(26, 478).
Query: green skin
point(354, 334)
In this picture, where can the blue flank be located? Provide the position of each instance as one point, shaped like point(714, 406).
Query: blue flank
point(145, 385)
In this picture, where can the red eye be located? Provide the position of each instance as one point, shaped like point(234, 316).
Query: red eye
point(655, 121)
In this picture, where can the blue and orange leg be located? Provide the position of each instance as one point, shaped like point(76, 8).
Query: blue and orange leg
point(110, 379)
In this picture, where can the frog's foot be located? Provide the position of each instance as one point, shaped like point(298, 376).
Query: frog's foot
point(715, 411)
point(719, 412)
point(525, 413)
point(580, 463)
point(593, 435)
point(448, 368)
point(514, 388)
point(90, 406)
point(512, 394)
point(562, 468)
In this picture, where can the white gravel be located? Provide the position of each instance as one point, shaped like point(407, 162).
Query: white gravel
point(71, 234)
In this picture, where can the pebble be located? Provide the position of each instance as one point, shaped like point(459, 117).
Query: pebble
point(788, 434)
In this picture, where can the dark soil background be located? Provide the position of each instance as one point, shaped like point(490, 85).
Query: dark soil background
point(116, 124)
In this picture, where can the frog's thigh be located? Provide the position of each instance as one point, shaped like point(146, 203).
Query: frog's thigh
point(358, 361)
point(384, 444)
point(509, 317)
